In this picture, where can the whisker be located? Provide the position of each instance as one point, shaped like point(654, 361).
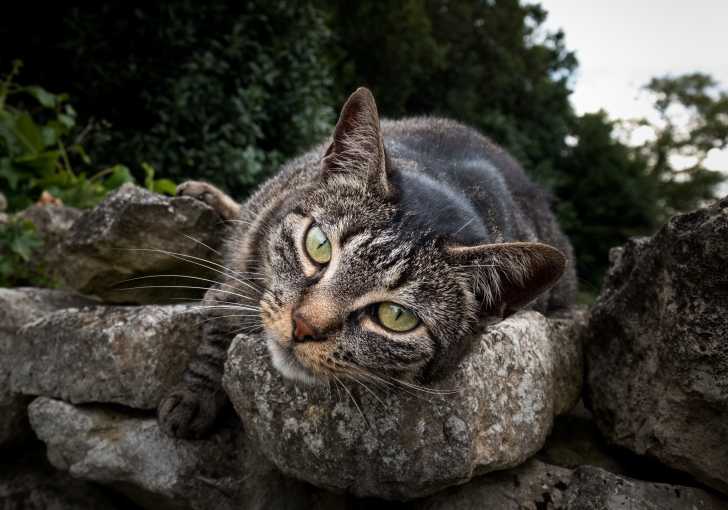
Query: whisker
point(177, 276)
point(353, 400)
point(369, 390)
point(203, 244)
point(179, 287)
point(432, 391)
point(184, 257)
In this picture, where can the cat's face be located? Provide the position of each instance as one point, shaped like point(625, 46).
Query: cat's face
point(352, 292)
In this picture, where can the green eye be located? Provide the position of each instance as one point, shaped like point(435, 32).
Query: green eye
point(395, 317)
point(318, 245)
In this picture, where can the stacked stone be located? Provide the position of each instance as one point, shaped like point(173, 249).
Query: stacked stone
point(83, 369)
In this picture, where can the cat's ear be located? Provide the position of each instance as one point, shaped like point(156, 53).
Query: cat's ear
point(357, 147)
point(507, 276)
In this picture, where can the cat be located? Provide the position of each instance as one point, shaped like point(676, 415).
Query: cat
point(376, 254)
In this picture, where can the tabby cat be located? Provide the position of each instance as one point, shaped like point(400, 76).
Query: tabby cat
point(376, 254)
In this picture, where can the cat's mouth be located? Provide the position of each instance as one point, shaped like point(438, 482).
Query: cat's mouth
point(297, 361)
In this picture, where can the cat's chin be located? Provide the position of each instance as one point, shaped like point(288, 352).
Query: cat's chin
point(285, 361)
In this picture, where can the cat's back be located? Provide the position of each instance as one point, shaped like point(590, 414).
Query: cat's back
point(461, 162)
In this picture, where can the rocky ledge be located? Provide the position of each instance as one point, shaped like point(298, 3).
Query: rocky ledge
point(80, 377)
point(493, 412)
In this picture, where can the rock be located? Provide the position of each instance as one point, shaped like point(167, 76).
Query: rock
point(657, 346)
point(531, 486)
point(593, 488)
point(3, 203)
point(18, 307)
point(52, 223)
point(575, 440)
point(118, 354)
point(32, 485)
point(493, 412)
point(129, 453)
point(125, 237)
point(539, 486)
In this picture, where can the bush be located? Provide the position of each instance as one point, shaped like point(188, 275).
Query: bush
point(222, 91)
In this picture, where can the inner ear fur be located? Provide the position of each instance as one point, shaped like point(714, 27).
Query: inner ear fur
point(357, 147)
point(508, 276)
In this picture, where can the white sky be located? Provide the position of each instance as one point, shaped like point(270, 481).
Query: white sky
point(621, 44)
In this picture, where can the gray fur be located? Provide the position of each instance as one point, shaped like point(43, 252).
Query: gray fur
point(424, 212)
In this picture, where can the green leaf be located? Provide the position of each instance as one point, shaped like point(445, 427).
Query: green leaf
point(29, 133)
point(43, 96)
point(67, 120)
point(120, 175)
point(165, 186)
point(148, 176)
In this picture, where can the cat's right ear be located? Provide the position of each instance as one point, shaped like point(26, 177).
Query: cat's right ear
point(508, 276)
point(357, 147)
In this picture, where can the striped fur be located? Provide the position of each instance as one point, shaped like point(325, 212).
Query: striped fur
point(423, 212)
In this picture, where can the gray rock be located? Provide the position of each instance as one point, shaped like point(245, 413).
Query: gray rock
point(119, 354)
point(531, 486)
point(129, 453)
point(52, 223)
point(493, 412)
point(125, 237)
point(18, 307)
point(593, 488)
point(30, 484)
point(657, 346)
point(539, 486)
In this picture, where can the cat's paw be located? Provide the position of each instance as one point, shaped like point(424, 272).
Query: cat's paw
point(188, 414)
point(205, 192)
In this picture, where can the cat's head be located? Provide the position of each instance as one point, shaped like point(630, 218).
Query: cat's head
point(354, 289)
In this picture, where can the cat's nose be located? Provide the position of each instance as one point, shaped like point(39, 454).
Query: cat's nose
point(303, 331)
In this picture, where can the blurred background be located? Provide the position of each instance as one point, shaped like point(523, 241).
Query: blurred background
point(620, 109)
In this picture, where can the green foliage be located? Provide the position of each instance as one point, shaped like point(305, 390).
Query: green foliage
point(37, 148)
point(18, 244)
point(606, 194)
point(489, 64)
point(35, 152)
point(220, 91)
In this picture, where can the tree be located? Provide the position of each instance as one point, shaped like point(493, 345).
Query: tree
point(489, 64)
point(693, 120)
point(606, 194)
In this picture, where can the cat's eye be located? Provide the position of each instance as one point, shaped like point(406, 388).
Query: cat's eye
point(395, 317)
point(318, 246)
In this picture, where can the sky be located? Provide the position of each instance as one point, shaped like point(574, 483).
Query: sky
point(621, 44)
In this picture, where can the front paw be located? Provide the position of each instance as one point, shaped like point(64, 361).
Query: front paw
point(188, 413)
point(205, 192)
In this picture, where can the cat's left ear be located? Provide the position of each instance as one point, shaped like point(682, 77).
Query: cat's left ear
point(357, 148)
point(508, 276)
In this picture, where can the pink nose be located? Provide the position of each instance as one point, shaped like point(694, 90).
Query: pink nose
point(303, 331)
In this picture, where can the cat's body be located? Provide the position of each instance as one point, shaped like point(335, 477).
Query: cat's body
point(423, 214)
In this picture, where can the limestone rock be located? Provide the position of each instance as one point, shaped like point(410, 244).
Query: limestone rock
point(52, 223)
point(531, 486)
point(129, 453)
point(539, 486)
point(117, 354)
point(657, 346)
point(124, 237)
point(18, 307)
point(30, 484)
point(593, 488)
point(491, 413)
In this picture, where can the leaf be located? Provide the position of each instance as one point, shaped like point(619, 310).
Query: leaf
point(43, 96)
point(148, 176)
point(165, 186)
point(67, 120)
point(120, 175)
point(29, 133)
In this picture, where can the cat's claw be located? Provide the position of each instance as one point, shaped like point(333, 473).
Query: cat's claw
point(205, 192)
point(185, 413)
